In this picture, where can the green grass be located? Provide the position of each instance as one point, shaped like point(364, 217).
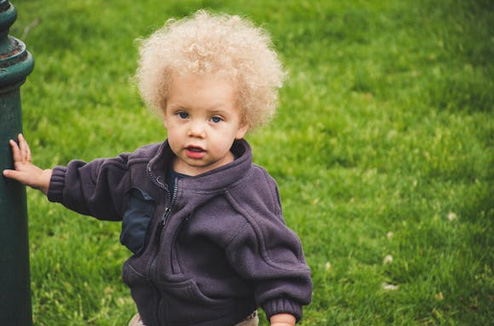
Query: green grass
point(383, 145)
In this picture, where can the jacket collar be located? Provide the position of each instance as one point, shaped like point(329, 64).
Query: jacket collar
point(216, 179)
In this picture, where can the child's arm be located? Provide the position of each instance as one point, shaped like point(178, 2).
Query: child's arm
point(282, 320)
point(26, 172)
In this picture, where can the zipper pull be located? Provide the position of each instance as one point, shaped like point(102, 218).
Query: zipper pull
point(165, 215)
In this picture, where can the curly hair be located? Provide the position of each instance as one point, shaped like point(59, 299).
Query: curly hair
point(207, 43)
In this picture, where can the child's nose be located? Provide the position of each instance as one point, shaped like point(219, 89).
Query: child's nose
point(196, 129)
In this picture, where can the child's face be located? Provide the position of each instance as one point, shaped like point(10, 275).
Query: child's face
point(203, 119)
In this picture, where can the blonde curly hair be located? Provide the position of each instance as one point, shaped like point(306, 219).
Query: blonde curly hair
point(207, 43)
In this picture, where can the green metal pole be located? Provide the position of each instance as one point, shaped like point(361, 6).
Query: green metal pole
point(15, 293)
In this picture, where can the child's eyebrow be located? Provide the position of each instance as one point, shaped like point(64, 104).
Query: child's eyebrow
point(176, 107)
point(219, 111)
point(218, 108)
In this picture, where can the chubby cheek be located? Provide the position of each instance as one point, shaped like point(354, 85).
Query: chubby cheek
point(222, 145)
point(173, 139)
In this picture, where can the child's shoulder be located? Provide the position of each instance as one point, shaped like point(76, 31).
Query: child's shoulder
point(258, 188)
point(145, 153)
point(262, 175)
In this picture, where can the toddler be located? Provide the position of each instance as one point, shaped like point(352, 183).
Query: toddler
point(204, 224)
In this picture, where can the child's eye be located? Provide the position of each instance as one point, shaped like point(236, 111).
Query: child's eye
point(216, 119)
point(183, 115)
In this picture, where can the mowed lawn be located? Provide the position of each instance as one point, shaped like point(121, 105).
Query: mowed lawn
point(383, 148)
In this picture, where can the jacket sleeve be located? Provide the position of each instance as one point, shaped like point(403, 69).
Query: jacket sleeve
point(265, 251)
point(97, 188)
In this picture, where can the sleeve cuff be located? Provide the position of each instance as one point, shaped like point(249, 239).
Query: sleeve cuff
point(282, 306)
point(57, 183)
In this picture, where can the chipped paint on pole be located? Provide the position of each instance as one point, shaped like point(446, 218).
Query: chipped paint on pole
point(15, 293)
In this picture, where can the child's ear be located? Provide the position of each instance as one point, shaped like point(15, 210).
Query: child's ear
point(241, 131)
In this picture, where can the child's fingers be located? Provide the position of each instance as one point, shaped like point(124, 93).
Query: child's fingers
point(25, 151)
point(18, 176)
point(28, 153)
point(12, 174)
point(16, 152)
point(7, 173)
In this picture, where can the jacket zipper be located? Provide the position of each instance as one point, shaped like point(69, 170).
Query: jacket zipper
point(171, 200)
point(162, 223)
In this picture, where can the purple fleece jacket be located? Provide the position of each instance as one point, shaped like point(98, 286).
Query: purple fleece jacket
point(210, 256)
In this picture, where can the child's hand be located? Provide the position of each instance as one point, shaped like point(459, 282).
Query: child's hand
point(26, 172)
point(282, 320)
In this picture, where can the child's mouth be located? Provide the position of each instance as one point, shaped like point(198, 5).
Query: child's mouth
point(195, 152)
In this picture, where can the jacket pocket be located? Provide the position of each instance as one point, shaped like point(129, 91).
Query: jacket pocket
point(184, 303)
point(145, 295)
point(136, 220)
